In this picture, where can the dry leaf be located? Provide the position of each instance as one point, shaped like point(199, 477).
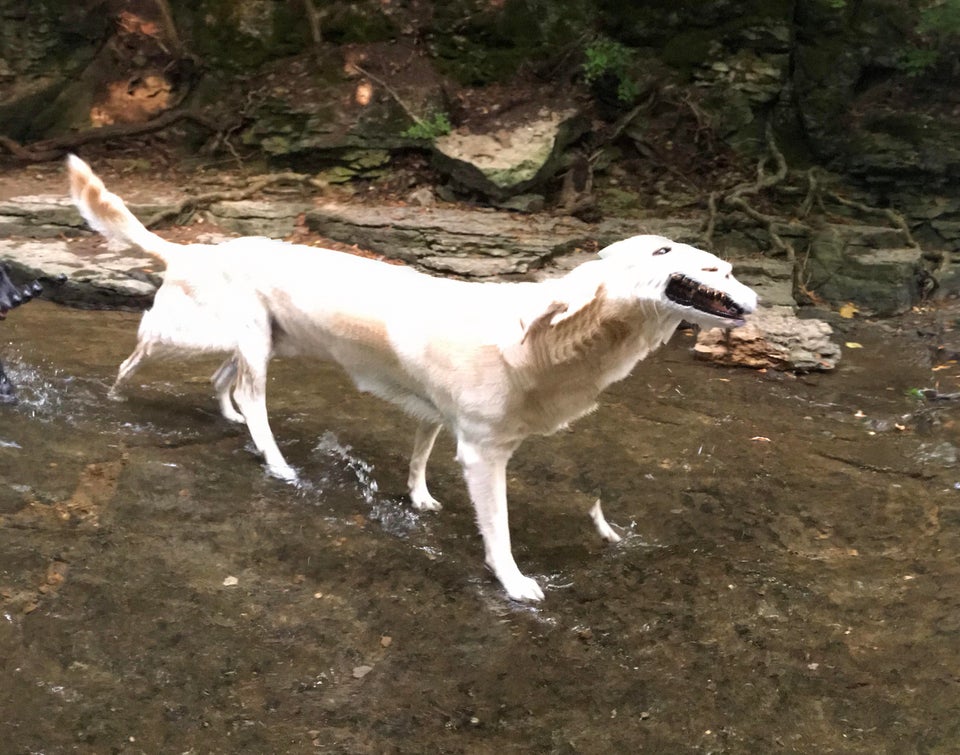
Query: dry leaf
point(848, 310)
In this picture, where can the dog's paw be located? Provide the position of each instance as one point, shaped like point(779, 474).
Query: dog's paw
point(285, 472)
point(233, 415)
point(423, 501)
point(519, 587)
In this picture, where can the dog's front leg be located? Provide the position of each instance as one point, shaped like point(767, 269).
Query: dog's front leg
point(485, 470)
point(251, 397)
point(417, 481)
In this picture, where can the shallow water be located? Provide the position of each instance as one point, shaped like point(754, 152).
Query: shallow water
point(789, 581)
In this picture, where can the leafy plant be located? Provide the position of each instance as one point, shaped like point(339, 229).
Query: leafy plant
point(938, 27)
point(606, 57)
point(433, 126)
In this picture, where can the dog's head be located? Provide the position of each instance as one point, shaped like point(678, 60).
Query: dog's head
point(679, 278)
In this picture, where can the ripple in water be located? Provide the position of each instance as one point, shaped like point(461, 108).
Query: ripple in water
point(395, 518)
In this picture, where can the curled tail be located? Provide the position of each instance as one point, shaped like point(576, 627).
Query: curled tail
point(106, 212)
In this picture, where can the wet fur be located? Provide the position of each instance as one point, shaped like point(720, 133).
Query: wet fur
point(491, 362)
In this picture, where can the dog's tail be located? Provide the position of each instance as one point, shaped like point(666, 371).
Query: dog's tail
point(106, 212)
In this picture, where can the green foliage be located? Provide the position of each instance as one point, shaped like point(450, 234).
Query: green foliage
point(916, 60)
point(938, 26)
point(937, 29)
point(607, 57)
point(433, 126)
point(941, 18)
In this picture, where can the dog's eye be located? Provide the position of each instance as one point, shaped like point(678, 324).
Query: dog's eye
point(661, 250)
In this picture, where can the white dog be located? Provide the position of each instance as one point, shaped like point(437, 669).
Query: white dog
point(492, 362)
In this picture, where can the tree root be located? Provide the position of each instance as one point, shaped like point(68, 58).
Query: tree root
point(737, 200)
point(54, 149)
point(185, 208)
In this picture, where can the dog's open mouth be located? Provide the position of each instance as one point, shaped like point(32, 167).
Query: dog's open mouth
point(689, 293)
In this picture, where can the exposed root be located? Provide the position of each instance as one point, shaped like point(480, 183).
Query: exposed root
point(737, 199)
point(183, 209)
point(895, 218)
point(54, 149)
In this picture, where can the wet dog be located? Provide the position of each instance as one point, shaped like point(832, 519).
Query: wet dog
point(491, 362)
point(11, 297)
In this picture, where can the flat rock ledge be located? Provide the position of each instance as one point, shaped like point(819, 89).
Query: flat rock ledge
point(477, 242)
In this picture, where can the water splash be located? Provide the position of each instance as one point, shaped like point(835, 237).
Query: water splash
point(393, 515)
point(361, 470)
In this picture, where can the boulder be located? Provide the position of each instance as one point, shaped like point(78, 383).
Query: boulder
point(772, 339)
point(867, 265)
point(513, 159)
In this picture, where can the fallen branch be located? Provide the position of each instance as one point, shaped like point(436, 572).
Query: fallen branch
point(183, 209)
point(54, 149)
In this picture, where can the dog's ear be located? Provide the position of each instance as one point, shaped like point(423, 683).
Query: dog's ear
point(566, 331)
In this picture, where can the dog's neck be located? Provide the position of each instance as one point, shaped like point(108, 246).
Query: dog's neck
point(567, 358)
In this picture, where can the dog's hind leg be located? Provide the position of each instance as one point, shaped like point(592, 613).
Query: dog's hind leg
point(250, 395)
point(417, 481)
point(223, 381)
point(127, 368)
point(485, 470)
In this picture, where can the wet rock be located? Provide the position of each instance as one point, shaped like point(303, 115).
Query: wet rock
point(941, 454)
point(772, 339)
point(361, 671)
point(107, 279)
